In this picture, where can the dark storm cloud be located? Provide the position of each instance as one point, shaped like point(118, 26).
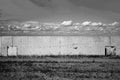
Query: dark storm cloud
point(86, 7)
point(22, 10)
point(105, 5)
point(108, 5)
point(90, 3)
point(42, 3)
point(53, 10)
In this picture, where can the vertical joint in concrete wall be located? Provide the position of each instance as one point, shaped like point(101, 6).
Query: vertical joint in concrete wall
point(110, 41)
point(1, 47)
point(12, 40)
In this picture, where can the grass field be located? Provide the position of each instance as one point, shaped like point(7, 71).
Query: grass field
point(59, 68)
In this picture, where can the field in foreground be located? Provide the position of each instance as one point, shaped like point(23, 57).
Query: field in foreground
point(51, 68)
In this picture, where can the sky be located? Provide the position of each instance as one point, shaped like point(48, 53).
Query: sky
point(105, 11)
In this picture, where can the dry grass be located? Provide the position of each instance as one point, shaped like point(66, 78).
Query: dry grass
point(60, 69)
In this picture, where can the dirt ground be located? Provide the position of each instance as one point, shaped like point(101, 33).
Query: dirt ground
point(50, 68)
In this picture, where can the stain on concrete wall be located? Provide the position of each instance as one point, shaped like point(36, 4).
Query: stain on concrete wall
point(5, 42)
point(45, 45)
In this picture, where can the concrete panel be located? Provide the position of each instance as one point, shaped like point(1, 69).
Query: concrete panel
point(116, 42)
point(5, 43)
point(100, 42)
point(84, 45)
point(54, 45)
point(37, 45)
point(46, 45)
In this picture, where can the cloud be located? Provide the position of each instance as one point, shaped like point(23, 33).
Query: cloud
point(115, 24)
point(67, 23)
point(64, 26)
point(111, 27)
point(94, 24)
point(86, 23)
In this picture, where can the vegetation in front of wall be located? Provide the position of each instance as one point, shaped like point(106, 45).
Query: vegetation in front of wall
point(66, 69)
point(62, 56)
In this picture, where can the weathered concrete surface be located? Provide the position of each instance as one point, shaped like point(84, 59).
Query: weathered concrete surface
point(5, 42)
point(45, 45)
point(116, 42)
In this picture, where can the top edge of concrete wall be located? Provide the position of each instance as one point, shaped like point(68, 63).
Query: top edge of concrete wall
point(56, 34)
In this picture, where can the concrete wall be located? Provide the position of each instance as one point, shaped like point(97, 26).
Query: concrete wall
point(116, 42)
point(42, 45)
point(5, 41)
